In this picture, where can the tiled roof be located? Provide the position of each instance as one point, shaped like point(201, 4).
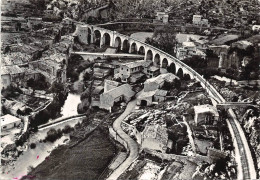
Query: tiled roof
point(124, 89)
point(160, 92)
point(137, 63)
point(205, 109)
point(8, 119)
point(153, 68)
point(15, 58)
point(11, 70)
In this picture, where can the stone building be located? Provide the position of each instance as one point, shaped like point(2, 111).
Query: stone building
point(155, 137)
point(8, 122)
point(131, 72)
point(122, 93)
point(205, 114)
point(11, 75)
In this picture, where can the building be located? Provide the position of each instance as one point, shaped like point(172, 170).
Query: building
point(129, 69)
point(11, 75)
point(95, 98)
point(205, 114)
point(8, 122)
point(16, 108)
point(33, 21)
point(256, 28)
point(115, 95)
point(157, 82)
point(152, 71)
point(15, 58)
point(110, 85)
point(147, 98)
point(155, 137)
point(188, 49)
point(162, 17)
point(53, 67)
point(197, 20)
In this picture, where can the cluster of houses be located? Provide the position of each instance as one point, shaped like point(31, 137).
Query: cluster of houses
point(193, 46)
point(24, 62)
point(133, 71)
point(125, 74)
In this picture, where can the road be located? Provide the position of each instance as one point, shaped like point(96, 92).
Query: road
point(109, 54)
point(132, 145)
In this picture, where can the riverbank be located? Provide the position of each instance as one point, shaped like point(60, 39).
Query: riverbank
point(85, 161)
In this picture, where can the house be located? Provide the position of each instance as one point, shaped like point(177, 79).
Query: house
point(147, 98)
point(160, 95)
point(215, 154)
point(15, 58)
point(8, 122)
point(11, 74)
point(189, 48)
point(110, 85)
point(197, 20)
point(151, 71)
point(30, 74)
point(33, 21)
point(205, 114)
point(115, 95)
point(157, 82)
point(155, 137)
point(256, 28)
point(53, 67)
point(162, 17)
point(128, 69)
point(95, 98)
point(16, 108)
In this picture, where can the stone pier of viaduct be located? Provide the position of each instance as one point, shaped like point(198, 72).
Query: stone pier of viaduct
point(93, 34)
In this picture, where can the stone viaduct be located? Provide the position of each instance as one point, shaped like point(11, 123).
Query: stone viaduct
point(93, 34)
point(88, 34)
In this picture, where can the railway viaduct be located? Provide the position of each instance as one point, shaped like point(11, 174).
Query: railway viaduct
point(93, 34)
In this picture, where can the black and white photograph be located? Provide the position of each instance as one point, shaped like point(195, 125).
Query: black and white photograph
point(130, 90)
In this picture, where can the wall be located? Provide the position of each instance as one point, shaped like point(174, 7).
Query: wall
point(115, 136)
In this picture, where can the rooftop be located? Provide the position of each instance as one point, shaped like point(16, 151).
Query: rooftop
point(8, 119)
point(153, 68)
point(205, 109)
point(124, 89)
point(161, 78)
point(188, 44)
point(137, 64)
point(11, 70)
point(160, 92)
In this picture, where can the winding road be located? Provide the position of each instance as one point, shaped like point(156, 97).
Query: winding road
point(132, 144)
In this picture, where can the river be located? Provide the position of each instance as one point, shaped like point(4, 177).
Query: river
point(33, 157)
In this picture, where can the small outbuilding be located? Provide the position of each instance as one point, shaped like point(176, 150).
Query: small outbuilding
point(205, 114)
point(8, 122)
point(155, 137)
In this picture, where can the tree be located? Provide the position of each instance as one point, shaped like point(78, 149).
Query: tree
point(33, 146)
point(53, 135)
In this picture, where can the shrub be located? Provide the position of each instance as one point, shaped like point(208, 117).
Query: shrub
point(53, 135)
point(33, 146)
point(67, 129)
